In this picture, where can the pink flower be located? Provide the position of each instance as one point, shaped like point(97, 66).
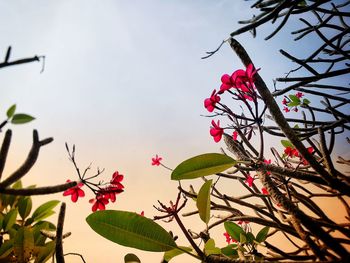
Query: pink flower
point(99, 203)
point(229, 239)
point(156, 160)
point(75, 192)
point(142, 213)
point(235, 135)
point(216, 131)
point(240, 222)
point(249, 180)
point(299, 95)
point(264, 191)
point(284, 101)
point(116, 180)
point(244, 80)
point(291, 152)
point(110, 192)
point(286, 109)
point(210, 103)
point(296, 109)
point(227, 83)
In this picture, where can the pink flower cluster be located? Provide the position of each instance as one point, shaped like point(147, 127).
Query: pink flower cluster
point(292, 104)
point(103, 193)
point(292, 152)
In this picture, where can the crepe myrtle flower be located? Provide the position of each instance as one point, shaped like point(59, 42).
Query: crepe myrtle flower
point(209, 103)
point(216, 131)
point(75, 192)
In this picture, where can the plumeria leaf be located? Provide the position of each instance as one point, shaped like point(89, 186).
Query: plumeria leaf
point(168, 255)
point(23, 244)
point(10, 219)
point(294, 98)
point(287, 143)
point(261, 236)
point(242, 238)
point(131, 258)
point(24, 207)
point(46, 252)
point(250, 237)
point(203, 201)
point(202, 165)
point(131, 230)
point(230, 250)
point(6, 248)
point(293, 104)
point(21, 118)
point(234, 230)
point(1, 220)
point(306, 102)
point(210, 248)
point(11, 111)
point(45, 210)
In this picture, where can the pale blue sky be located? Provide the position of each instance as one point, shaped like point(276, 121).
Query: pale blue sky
point(123, 81)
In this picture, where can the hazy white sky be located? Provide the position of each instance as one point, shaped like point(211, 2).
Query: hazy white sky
point(123, 81)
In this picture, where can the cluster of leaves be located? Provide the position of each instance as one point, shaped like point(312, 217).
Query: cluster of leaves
point(25, 234)
point(17, 118)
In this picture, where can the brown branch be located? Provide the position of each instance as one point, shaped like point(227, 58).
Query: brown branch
point(38, 190)
point(59, 234)
point(4, 150)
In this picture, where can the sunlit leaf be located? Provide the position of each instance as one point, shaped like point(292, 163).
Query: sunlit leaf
point(203, 201)
point(261, 236)
point(131, 230)
point(294, 98)
point(210, 248)
point(202, 165)
point(45, 210)
point(21, 118)
point(234, 230)
point(11, 111)
point(23, 244)
point(131, 258)
point(287, 143)
point(168, 255)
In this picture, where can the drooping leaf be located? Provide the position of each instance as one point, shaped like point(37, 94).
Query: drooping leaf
point(210, 248)
point(24, 207)
point(234, 230)
point(45, 210)
point(168, 255)
point(23, 244)
point(10, 219)
point(202, 165)
point(11, 111)
point(21, 118)
point(230, 250)
point(287, 143)
point(203, 201)
point(46, 252)
point(131, 258)
point(261, 236)
point(131, 230)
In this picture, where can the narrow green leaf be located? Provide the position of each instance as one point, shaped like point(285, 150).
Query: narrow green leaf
point(46, 252)
point(23, 244)
point(24, 207)
point(131, 230)
point(202, 165)
point(10, 219)
point(11, 111)
point(261, 236)
point(287, 143)
point(234, 230)
point(21, 118)
point(210, 248)
point(45, 210)
point(168, 255)
point(6, 248)
point(131, 258)
point(203, 201)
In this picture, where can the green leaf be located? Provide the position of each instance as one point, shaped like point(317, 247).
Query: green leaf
point(1, 220)
point(168, 255)
point(6, 248)
point(40, 239)
point(131, 258)
point(294, 98)
point(10, 219)
point(306, 102)
point(202, 165)
point(45, 252)
point(11, 111)
point(234, 230)
point(23, 244)
point(230, 250)
point(250, 237)
point(287, 143)
point(242, 238)
point(45, 210)
point(261, 236)
point(21, 118)
point(293, 104)
point(24, 207)
point(131, 230)
point(210, 248)
point(203, 201)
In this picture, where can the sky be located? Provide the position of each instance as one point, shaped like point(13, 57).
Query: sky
point(123, 81)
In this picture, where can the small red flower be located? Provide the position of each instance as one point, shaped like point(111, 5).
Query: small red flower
point(75, 192)
point(116, 180)
point(299, 95)
point(296, 109)
point(142, 213)
point(216, 131)
point(249, 180)
point(110, 192)
point(286, 109)
point(99, 203)
point(284, 101)
point(291, 152)
point(227, 83)
point(235, 135)
point(264, 191)
point(241, 222)
point(156, 160)
point(210, 103)
point(229, 239)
